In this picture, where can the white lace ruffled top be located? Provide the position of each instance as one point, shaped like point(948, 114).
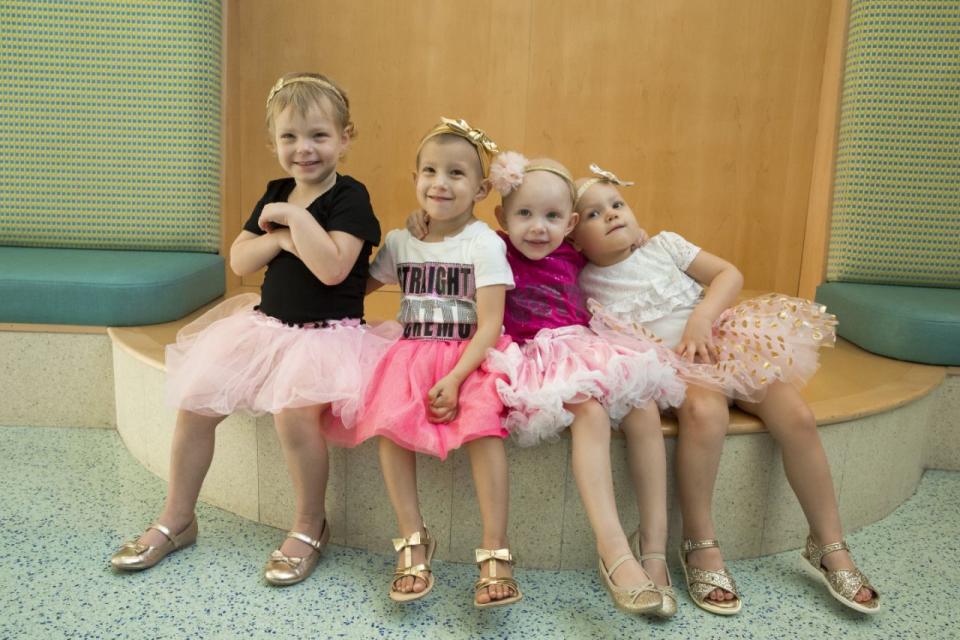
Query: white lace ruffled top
point(650, 284)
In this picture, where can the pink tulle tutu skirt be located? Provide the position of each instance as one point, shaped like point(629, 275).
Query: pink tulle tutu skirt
point(234, 358)
point(395, 404)
point(772, 338)
point(570, 365)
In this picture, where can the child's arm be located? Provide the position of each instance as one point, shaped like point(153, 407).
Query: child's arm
point(724, 282)
point(444, 394)
point(329, 256)
point(250, 252)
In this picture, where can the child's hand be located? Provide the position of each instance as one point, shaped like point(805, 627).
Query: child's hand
point(442, 400)
point(642, 238)
point(696, 345)
point(277, 214)
point(418, 224)
point(285, 240)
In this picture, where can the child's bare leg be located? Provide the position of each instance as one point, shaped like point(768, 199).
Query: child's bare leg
point(488, 461)
point(792, 424)
point(190, 455)
point(305, 451)
point(648, 466)
point(591, 469)
point(704, 419)
point(399, 467)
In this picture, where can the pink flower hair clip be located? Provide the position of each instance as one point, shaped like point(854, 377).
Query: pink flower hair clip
point(506, 171)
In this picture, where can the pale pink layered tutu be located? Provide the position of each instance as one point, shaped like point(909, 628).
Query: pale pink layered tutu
point(570, 365)
point(756, 343)
point(395, 404)
point(234, 358)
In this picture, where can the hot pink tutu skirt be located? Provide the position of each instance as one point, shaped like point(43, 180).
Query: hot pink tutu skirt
point(234, 358)
point(570, 365)
point(395, 404)
point(772, 338)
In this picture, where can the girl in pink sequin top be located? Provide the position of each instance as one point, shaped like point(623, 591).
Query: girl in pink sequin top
point(563, 375)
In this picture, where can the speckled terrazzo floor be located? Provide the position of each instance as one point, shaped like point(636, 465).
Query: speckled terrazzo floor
point(71, 495)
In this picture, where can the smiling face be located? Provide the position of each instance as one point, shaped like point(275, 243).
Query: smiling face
point(607, 228)
point(449, 180)
point(538, 215)
point(309, 145)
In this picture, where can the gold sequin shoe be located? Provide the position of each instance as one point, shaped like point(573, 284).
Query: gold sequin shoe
point(493, 556)
point(136, 556)
point(282, 570)
point(842, 584)
point(669, 606)
point(700, 582)
point(643, 599)
point(417, 571)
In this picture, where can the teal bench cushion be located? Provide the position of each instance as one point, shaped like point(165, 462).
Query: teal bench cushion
point(105, 288)
point(919, 324)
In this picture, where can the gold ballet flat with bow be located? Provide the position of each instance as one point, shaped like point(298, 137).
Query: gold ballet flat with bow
point(282, 570)
point(137, 556)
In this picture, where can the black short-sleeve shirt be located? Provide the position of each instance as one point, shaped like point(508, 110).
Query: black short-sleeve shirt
point(290, 291)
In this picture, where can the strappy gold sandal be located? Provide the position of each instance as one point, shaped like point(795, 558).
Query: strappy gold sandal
point(700, 582)
point(669, 596)
point(643, 599)
point(493, 556)
point(842, 584)
point(283, 570)
point(414, 570)
point(136, 556)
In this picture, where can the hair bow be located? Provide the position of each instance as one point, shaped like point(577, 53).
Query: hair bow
point(601, 175)
point(476, 136)
point(609, 176)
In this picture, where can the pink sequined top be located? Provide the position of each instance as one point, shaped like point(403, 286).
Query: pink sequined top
point(546, 295)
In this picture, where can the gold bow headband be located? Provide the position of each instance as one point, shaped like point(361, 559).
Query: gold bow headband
point(281, 83)
point(602, 175)
point(486, 148)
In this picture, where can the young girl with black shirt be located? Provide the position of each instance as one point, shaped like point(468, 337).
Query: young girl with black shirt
point(298, 350)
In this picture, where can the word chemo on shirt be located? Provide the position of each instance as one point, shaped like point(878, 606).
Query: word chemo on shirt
point(438, 300)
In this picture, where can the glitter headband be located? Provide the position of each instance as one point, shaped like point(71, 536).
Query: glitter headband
point(486, 148)
point(601, 176)
point(281, 83)
point(508, 169)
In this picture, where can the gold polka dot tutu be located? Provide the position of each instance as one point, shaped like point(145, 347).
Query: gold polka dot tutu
point(755, 343)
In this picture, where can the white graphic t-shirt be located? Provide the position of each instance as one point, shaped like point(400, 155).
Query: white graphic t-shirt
point(439, 280)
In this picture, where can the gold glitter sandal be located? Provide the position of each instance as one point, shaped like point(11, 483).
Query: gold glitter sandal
point(669, 606)
point(416, 571)
point(493, 556)
point(842, 584)
point(700, 582)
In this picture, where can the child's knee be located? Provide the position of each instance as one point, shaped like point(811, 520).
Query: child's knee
point(589, 416)
point(799, 417)
point(704, 416)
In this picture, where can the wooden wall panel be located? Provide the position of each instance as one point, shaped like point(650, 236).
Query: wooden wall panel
point(710, 105)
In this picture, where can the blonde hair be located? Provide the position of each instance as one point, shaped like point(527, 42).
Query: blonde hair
point(304, 91)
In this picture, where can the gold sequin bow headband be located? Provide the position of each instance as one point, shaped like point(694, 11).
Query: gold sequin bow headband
point(602, 175)
point(486, 148)
point(281, 83)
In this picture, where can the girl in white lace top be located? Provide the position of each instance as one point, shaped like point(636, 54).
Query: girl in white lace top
point(756, 353)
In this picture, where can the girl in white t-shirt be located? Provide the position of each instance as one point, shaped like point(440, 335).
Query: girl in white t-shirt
point(429, 393)
point(757, 353)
